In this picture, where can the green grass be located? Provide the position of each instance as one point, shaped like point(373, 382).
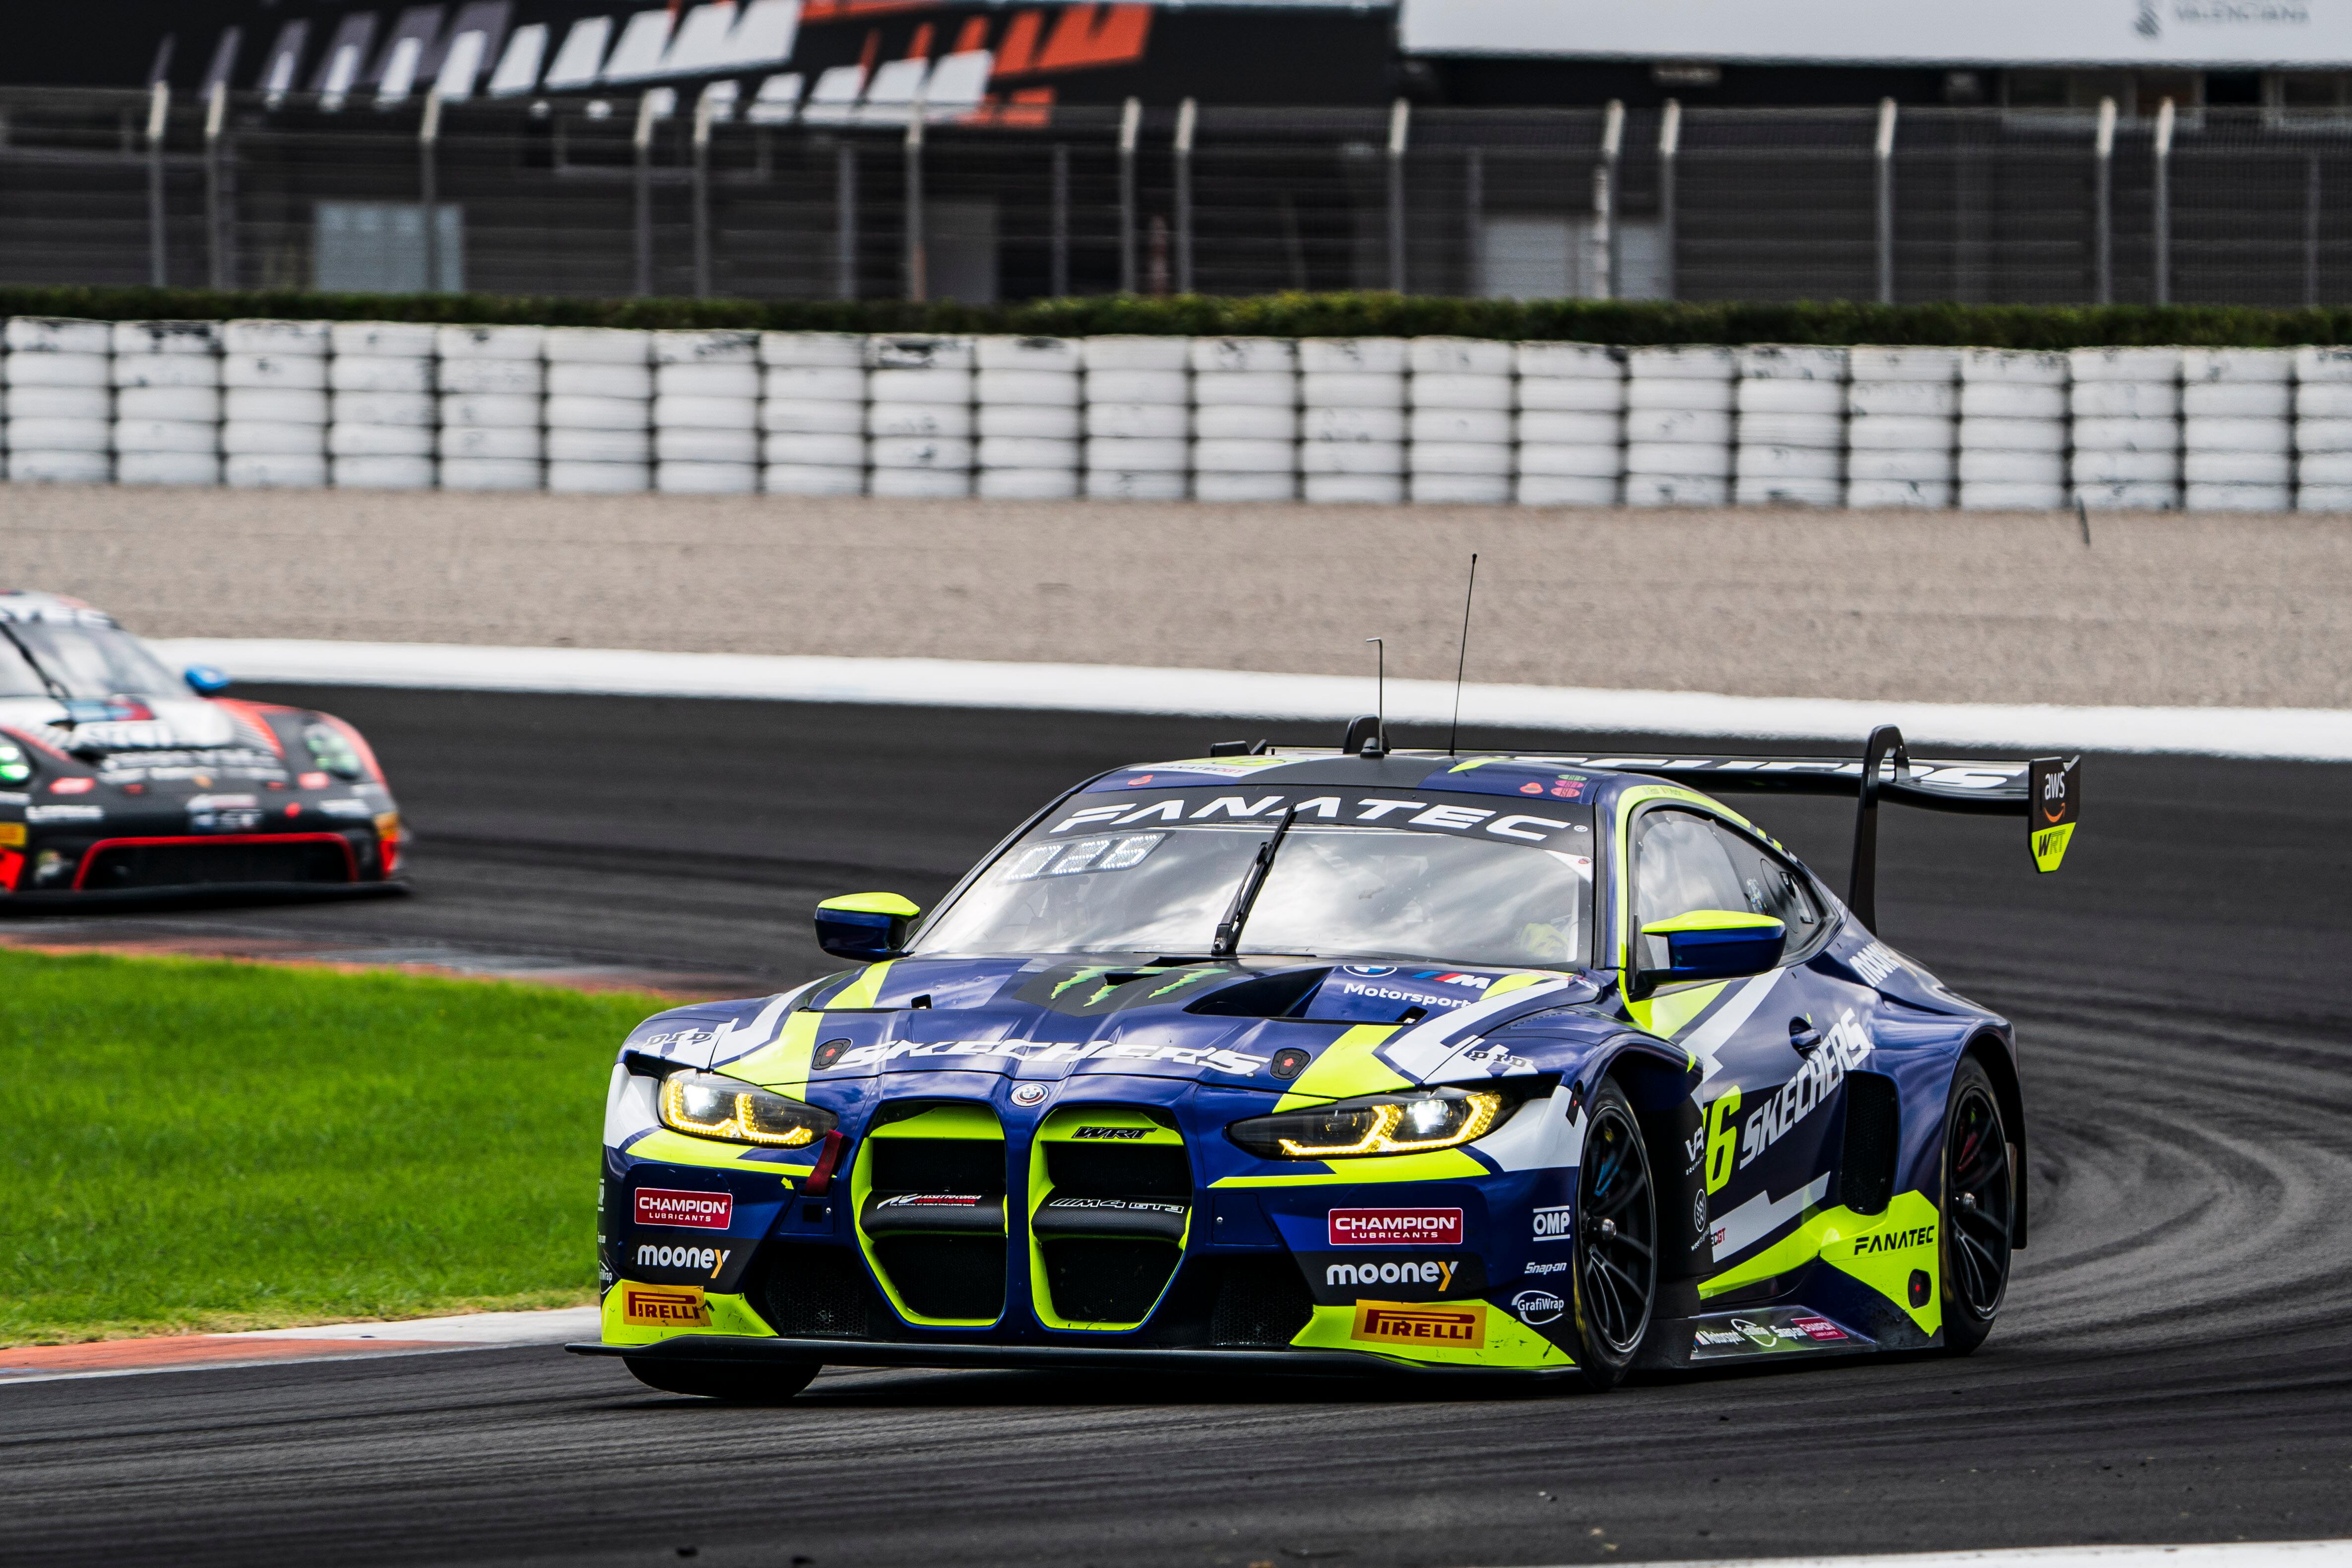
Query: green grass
point(195, 1146)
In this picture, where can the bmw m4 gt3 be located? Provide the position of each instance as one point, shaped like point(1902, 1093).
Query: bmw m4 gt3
point(120, 780)
point(1342, 1061)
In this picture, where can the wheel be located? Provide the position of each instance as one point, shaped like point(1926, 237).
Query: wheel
point(1979, 1209)
point(733, 1382)
point(1615, 1274)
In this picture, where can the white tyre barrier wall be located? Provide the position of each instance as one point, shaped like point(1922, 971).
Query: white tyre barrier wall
point(2125, 409)
point(1790, 402)
point(2012, 434)
point(813, 414)
point(1244, 419)
point(598, 413)
point(402, 405)
point(1028, 390)
point(381, 385)
point(707, 412)
point(919, 416)
point(1138, 418)
point(1459, 428)
point(167, 403)
point(1678, 425)
point(1568, 426)
point(58, 400)
point(1902, 422)
point(274, 404)
point(2323, 430)
point(2237, 430)
point(1351, 397)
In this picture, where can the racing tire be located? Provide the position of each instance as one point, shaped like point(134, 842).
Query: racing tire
point(730, 1382)
point(1614, 1274)
point(1979, 1209)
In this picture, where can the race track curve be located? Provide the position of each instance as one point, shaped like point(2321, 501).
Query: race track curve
point(2174, 1363)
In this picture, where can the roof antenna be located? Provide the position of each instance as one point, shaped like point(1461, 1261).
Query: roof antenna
point(1462, 658)
point(1378, 745)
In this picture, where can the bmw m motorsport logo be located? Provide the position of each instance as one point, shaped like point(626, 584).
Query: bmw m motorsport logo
point(1395, 1226)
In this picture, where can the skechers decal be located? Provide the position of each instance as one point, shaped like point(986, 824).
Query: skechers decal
point(1845, 1048)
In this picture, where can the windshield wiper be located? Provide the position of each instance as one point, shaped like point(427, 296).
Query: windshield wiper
point(1229, 930)
point(49, 683)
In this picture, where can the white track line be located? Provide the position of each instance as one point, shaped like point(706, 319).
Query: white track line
point(2219, 1555)
point(2323, 735)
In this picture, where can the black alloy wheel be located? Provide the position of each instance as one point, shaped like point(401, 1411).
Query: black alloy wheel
point(729, 1382)
point(1979, 1209)
point(1616, 1268)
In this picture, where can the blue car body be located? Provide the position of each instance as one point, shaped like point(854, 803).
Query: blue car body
point(1034, 1158)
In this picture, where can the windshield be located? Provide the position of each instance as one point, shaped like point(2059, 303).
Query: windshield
point(1335, 890)
point(88, 660)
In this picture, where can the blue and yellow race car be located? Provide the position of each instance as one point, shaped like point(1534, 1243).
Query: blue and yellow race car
point(1354, 1061)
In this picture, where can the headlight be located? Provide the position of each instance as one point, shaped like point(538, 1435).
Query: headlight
point(1377, 1124)
point(711, 1105)
point(14, 765)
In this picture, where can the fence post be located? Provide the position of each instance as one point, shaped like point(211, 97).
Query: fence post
point(845, 219)
point(2103, 153)
point(1474, 214)
point(644, 220)
point(918, 258)
point(1188, 114)
point(429, 185)
point(2163, 203)
point(1604, 195)
point(1400, 125)
point(1670, 147)
point(1061, 238)
point(215, 247)
point(2311, 230)
point(705, 108)
point(159, 115)
point(1883, 159)
point(1130, 122)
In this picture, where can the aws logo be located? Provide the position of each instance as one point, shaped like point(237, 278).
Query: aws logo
point(1896, 1241)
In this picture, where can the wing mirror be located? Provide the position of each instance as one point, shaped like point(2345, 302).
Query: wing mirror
point(869, 925)
point(1710, 944)
point(205, 680)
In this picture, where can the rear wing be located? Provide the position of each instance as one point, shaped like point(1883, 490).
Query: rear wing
point(2045, 792)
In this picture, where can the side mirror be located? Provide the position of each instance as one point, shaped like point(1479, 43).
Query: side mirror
point(1710, 944)
point(869, 926)
point(205, 680)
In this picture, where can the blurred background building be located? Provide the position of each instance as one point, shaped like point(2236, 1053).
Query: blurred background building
point(817, 148)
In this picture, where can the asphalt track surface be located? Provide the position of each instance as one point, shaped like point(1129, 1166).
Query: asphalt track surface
point(2174, 1362)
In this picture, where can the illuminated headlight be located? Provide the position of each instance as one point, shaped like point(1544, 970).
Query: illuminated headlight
point(713, 1105)
point(331, 751)
point(14, 765)
point(1377, 1124)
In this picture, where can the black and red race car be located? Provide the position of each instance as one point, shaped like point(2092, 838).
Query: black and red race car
point(121, 779)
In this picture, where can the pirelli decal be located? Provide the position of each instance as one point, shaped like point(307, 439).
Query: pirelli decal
point(1447, 1326)
point(663, 1306)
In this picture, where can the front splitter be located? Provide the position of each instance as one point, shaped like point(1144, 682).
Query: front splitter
point(1053, 1357)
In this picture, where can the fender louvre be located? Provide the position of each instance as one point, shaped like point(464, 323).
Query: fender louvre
point(1866, 1173)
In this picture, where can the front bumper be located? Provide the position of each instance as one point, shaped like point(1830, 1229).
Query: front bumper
point(745, 1350)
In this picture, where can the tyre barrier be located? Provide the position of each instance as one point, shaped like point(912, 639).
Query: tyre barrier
point(1435, 420)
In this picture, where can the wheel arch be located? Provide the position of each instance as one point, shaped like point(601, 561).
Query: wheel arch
point(1989, 1051)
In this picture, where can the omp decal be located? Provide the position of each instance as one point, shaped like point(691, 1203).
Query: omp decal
point(1554, 1222)
point(1846, 1048)
point(1424, 1049)
point(1761, 1216)
point(652, 1306)
point(1397, 1322)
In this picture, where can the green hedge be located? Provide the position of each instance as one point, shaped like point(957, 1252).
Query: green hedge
point(1278, 315)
